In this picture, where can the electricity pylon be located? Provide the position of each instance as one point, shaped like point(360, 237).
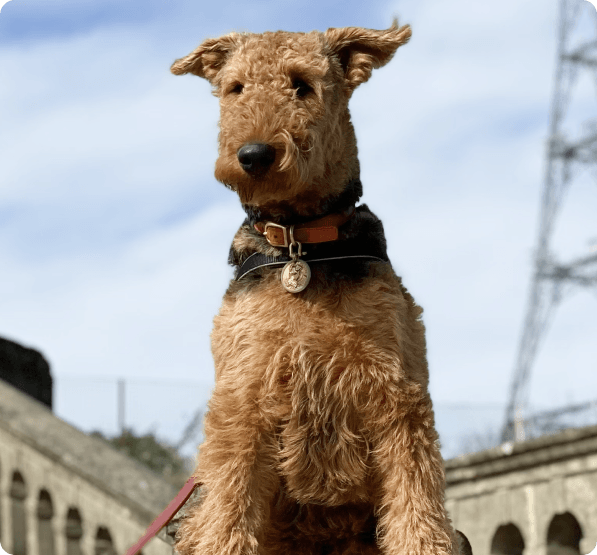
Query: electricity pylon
point(563, 154)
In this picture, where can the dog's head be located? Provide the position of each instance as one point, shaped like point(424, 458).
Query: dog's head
point(285, 131)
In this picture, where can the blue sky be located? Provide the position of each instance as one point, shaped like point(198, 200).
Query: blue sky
point(110, 260)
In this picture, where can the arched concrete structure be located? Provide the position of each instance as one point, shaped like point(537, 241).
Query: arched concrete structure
point(63, 492)
point(544, 490)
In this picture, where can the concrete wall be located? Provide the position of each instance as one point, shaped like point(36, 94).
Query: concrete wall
point(526, 487)
point(67, 490)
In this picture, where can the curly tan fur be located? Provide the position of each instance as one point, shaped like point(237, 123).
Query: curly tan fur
point(320, 434)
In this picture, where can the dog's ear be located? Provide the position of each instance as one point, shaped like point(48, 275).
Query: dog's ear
point(360, 51)
point(208, 58)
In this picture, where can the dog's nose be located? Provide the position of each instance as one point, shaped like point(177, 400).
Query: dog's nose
point(256, 158)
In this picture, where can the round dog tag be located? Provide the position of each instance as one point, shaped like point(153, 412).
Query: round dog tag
point(295, 276)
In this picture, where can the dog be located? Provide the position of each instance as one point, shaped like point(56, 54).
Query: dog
point(320, 436)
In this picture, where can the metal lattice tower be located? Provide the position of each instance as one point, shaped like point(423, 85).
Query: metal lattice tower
point(563, 156)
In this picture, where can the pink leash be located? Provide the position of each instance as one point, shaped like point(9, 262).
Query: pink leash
point(165, 516)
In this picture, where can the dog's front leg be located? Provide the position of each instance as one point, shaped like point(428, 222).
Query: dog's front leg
point(412, 516)
point(237, 468)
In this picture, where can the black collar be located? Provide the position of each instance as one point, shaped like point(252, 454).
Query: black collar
point(258, 260)
point(362, 240)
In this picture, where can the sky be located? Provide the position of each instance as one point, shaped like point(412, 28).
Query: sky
point(114, 233)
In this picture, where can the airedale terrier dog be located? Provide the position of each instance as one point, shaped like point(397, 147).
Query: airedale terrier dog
point(320, 434)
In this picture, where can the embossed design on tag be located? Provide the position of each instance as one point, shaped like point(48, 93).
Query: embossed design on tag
point(296, 276)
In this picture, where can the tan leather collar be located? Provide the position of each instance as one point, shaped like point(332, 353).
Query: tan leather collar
point(317, 231)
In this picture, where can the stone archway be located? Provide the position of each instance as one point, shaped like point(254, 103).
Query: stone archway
point(103, 542)
point(18, 494)
point(507, 540)
point(45, 532)
point(563, 535)
point(74, 532)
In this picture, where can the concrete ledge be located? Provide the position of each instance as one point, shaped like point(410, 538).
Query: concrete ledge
point(508, 457)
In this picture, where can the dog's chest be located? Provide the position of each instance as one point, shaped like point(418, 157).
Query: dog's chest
point(305, 361)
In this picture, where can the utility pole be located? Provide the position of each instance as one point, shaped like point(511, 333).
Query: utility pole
point(121, 406)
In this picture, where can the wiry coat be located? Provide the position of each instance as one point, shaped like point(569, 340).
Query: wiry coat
point(320, 433)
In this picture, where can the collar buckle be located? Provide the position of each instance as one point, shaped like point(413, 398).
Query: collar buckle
point(277, 235)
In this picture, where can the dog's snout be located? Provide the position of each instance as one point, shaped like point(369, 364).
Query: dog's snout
point(256, 158)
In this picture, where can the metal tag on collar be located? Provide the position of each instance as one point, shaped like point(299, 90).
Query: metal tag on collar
point(296, 274)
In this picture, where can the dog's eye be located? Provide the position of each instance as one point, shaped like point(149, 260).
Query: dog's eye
point(237, 89)
point(301, 88)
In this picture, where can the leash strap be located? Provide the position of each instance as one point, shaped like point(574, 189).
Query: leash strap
point(165, 516)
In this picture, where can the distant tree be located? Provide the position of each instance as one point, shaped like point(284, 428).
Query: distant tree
point(160, 457)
